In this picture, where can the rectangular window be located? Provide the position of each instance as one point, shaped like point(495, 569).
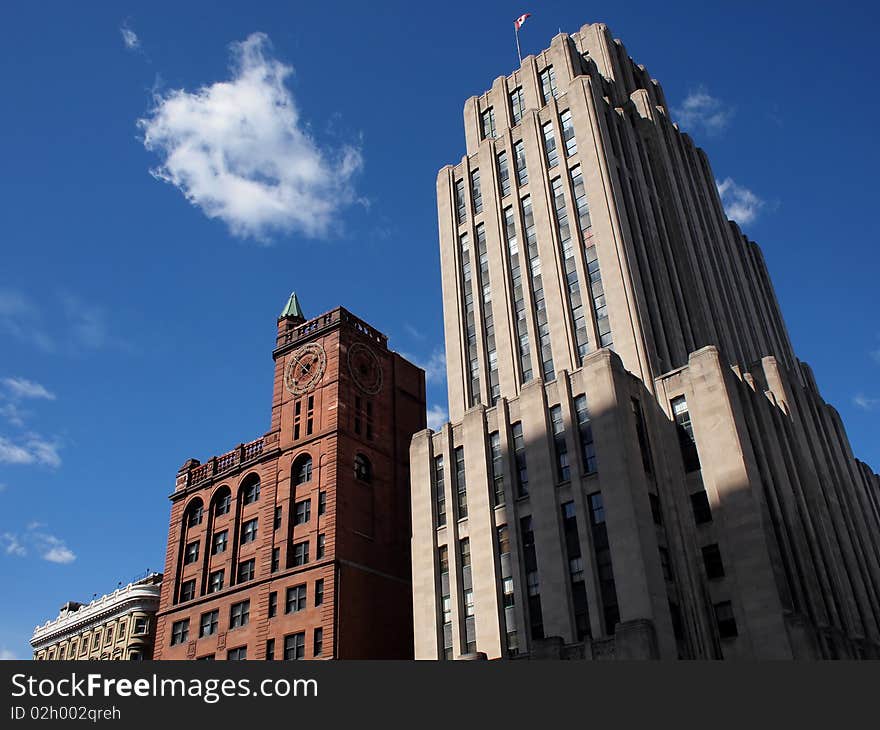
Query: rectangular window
point(642, 433)
point(725, 619)
point(246, 570)
point(215, 581)
point(487, 123)
point(302, 512)
point(239, 614)
point(517, 105)
point(251, 493)
point(219, 542)
point(568, 137)
point(206, 658)
point(519, 455)
point(576, 570)
point(276, 522)
point(195, 517)
point(470, 318)
point(464, 549)
point(188, 590)
point(685, 434)
point(656, 511)
point(295, 599)
point(460, 483)
point(191, 553)
point(497, 467)
point(575, 301)
point(519, 162)
point(179, 632)
point(601, 547)
point(701, 508)
point(533, 588)
point(503, 539)
point(665, 563)
point(548, 84)
point(300, 553)
point(585, 434)
point(550, 145)
point(439, 490)
point(249, 531)
point(208, 623)
point(270, 649)
point(319, 591)
point(460, 202)
point(273, 604)
point(503, 174)
point(322, 502)
point(563, 470)
point(276, 559)
point(469, 603)
point(712, 561)
point(141, 626)
point(318, 642)
point(322, 541)
point(295, 646)
point(476, 195)
point(239, 654)
point(224, 505)
point(535, 273)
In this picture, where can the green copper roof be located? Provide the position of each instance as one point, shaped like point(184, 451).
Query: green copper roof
point(293, 309)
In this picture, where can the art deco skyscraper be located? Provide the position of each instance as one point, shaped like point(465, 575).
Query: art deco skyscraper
point(638, 465)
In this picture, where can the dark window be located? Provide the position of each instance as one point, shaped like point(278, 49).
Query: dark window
point(568, 137)
point(188, 590)
point(585, 434)
point(533, 589)
point(300, 553)
point(318, 642)
point(249, 531)
point(476, 195)
point(322, 502)
point(519, 453)
point(223, 504)
point(246, 570)
point(712, 561)
point(302, 470)
point(206, 658)
point(460, 483)
point(195, 516)
point(179, 632)
point(239, 654)
point(548, 84)
point(295, 646)
point(601, 547)
point(503, 539)
point(363, 470)
point(685, 434)
point(276, 521)
point(239, 614)
point(497, 467)
point(725, 619)
point(273, 604)
point(519, 162)
point(642, 433)
point(276, 559)
point(550, 145)
point(219, 541)
point(270, 649)
point(302, 512)
point(517, 104)
point(319, 591)
point(487, 123)
point(191, 553)
point(563, 471)
point(209, 622)
point(319, 552)
point(701, 508)
point(464, 548)
point(251, 492)
point(215, 581)
point(439, 490)
point(295, 599)
point(665, 563)
point(503, 173)
point(656, 512)
point(460, 203)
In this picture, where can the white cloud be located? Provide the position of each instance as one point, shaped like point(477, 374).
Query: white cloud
point(29, 449)
point(865, 403)
point(240, 152)
point(24, 388)
point(129, 38)
point(48, 546)
point(434, 367)
point(20, 318)
point(6, 655)
point(740, 204)
point(12, 545)
point(437, 416)
point(702, 110)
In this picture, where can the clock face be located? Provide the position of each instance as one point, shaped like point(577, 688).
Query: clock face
point(365, 368)
point(305, 368)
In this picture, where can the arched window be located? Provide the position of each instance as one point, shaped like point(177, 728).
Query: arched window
point(194, 513)
point(222, 501)
point(302, 470)
point(363, 469)
point(250, 492)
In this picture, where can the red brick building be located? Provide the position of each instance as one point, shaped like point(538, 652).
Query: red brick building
point(296, 545)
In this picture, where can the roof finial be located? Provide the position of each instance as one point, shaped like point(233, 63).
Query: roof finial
point(293, 310)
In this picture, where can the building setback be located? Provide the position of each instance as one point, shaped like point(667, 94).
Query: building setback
point(637, 464)
point(295, 546)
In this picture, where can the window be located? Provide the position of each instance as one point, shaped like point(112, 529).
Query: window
point(239, 614)
point(568, 137)
point(665, 563)
point(223, 504)
point(580, 199)
point(219, 542)
point(460, 203)
point(215, 581)
point(251, 492)
point(548, 84)
point(141, 626)
point(191, 553)
point(188, 590)
point(363, 470)
point(238, 654)
point(533, 588)
point(656, 511)
point(460, 483)
point(206, 658)
point(519, 162)
point(701, 508)
point(195, 516)
point(249, 531)
point(487, 123)
point(534, 267)
point(519, 302)
point(517, 105)
point(464, 549)
point(642, 433)
point(563, 471)
point(208, 623)
point(439, 491)
point(295, 646)
point(295, 599)
point(601, 547)
point(179, 632)
point(575, 301)
point(319, 591)
point(270, 649)
point(685, 434)
point(302, 470)
point(300, 553)
point(503, 174)
point(273, 604)
point(246, 570)
point(276, 559)
point(276, 520)
point(497, 467)
point(712, 561)
point(319, 552)
point(725, 619)
point(108, 635)
point(469, 315)
point(318, 642)
point(519, 454)
point(469, 603)
point(302, 512)
point(476, 195)
point(550, 145)
point(503, 539)
point(322, 502)
point(585, 434)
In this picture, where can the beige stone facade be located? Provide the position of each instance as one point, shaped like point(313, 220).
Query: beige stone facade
point(117, 626)
point(637, 465)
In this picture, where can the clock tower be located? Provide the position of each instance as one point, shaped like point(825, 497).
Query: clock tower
point(319, 556)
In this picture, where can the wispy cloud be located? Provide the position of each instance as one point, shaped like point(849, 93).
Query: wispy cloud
point(740, 203)
point(29, 449)
point(240, 152)
point(434, 366)
point(865, 403)
point(437, 416)
point(35, 539)
point(129, 37)
point(701, 110)
point(6, 655)
point(24, 388)
point(20, 318)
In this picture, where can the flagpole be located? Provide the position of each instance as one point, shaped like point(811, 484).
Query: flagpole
point(518, 53)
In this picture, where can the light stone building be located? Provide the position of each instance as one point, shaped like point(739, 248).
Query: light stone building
point(119, 625)
point(637, 464)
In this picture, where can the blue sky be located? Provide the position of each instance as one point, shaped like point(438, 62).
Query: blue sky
point(137, 310)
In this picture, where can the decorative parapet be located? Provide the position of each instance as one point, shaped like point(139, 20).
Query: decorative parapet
point(194, 472)
point(327, 321)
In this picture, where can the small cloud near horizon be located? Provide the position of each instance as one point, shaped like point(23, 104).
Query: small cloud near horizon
point(701, 110)
point(740, 203)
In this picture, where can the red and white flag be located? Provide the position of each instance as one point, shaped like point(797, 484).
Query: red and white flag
point(518, 23)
